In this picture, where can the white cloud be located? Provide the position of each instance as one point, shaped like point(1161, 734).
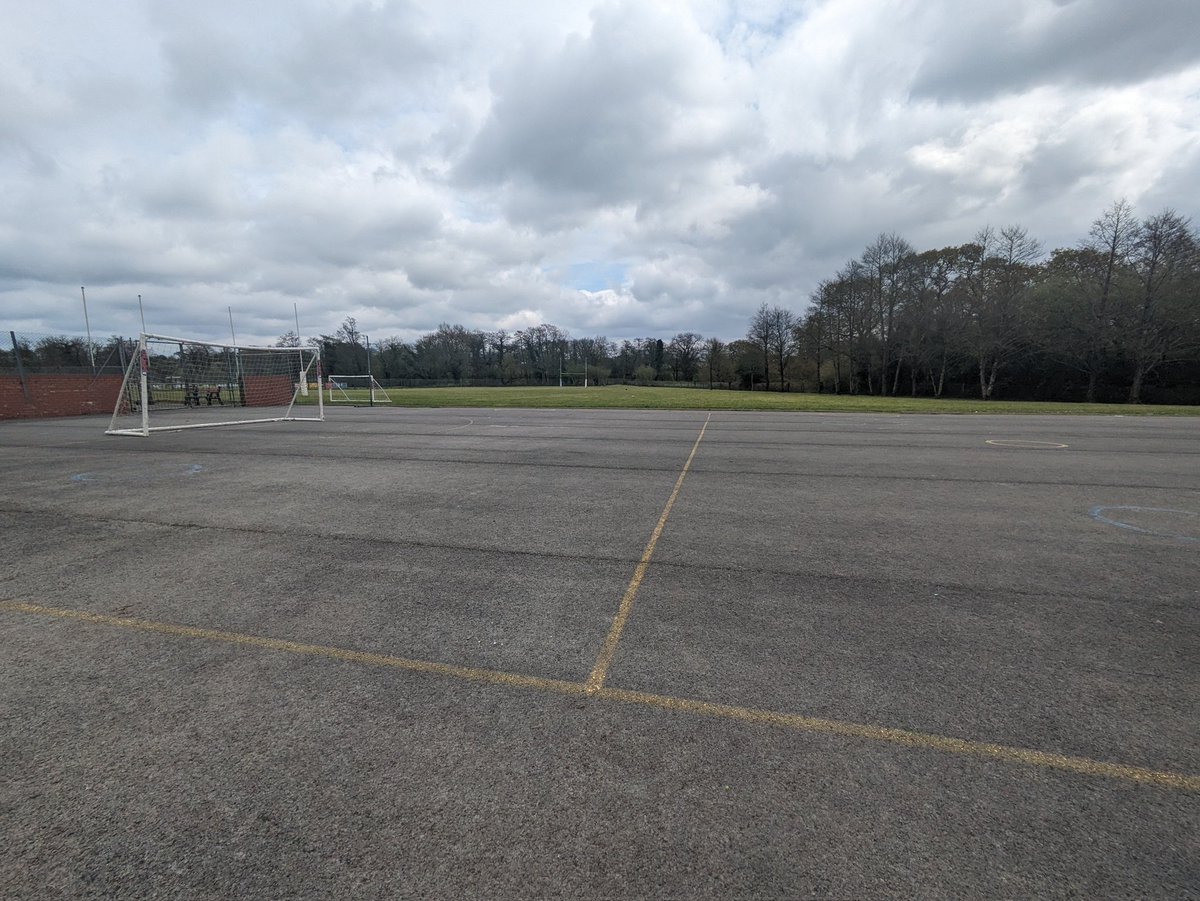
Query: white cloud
point(612, 167)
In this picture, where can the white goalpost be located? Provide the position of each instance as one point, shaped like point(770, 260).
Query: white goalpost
point(180, 383)
point(337, 385)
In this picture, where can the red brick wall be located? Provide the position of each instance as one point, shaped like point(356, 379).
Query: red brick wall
point(58, 395)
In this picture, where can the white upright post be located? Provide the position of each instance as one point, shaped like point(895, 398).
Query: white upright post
point(320, 378)
point(144, 367)
point(300, 353)
point(88, 326)
point(370, 378)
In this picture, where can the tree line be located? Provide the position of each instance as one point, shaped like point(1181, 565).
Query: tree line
point(1115, 318)
point(539, 355)
point(1110, 319)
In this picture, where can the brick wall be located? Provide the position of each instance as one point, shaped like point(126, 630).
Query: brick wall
point(58, 395)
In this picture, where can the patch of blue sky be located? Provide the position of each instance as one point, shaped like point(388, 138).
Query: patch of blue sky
point(592, 275)
point(765, 19)
point(473, 212)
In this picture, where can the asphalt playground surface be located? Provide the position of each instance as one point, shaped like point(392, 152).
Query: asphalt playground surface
point(610, 654)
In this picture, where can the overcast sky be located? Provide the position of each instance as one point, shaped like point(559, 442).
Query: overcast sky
point(616, 168)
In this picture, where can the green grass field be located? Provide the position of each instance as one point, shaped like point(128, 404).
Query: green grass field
point(651, 398)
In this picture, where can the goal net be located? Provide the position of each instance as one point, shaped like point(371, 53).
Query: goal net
point(356, 389)
point(178, 383)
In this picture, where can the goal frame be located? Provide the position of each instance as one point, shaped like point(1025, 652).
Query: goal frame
point(378, 393)
point(141, 362)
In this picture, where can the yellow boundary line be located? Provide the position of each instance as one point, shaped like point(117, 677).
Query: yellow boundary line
point(469, 673)
point(595, 680)
point(790, 721)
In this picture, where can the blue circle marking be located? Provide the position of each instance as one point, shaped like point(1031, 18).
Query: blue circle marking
point(1098, 514)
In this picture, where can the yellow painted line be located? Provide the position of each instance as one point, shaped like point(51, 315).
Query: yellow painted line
point(791, 721)
point(922, 740)
point(595, 680)
point(470, 673)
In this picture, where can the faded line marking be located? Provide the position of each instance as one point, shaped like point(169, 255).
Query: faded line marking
point(138, 472)
point(1025, 443)
point(595, 679)
point(790, 721)
point(1097, 513)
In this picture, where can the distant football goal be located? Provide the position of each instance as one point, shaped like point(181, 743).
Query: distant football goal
point(180, 383)
point(356, 389)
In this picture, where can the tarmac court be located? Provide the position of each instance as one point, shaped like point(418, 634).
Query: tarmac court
point(605, 653)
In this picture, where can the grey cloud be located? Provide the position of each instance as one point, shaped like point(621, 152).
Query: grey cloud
point(315, 67)
point(1175, 189)
point(1013, 47)
point(1059, 167)
point(613, 118)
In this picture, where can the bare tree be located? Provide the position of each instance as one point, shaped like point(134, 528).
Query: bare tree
point(1113, 238)
point(716, 359)
point(684, 351)
point(761, 334)
point(998, 272)
point(348, 332)
point(815, 328)
point(746, 360)
point(920, 341)
point(783, 341)
point(886, 266)
point(1167, 252)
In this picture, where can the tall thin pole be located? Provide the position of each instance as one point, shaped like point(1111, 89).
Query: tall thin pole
point(20, 369)
point(142, 313)
point(143, 353)
point(370, 381)
point(87, 325)
point(300, 355)
point(237, 360)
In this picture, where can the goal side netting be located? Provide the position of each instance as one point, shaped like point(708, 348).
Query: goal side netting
point(355, 389)
point(178, 383)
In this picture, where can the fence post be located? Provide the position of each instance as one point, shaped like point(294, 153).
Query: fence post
point(20, 369)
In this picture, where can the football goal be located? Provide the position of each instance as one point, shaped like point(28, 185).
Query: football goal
point(178, 383)
point(356, 389)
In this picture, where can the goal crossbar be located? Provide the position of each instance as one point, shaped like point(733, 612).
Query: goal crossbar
point(176, 383)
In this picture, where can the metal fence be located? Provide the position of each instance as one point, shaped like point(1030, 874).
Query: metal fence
point(33, 353)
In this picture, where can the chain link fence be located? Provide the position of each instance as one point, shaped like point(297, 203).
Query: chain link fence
point(36, 353)
point(59, 375)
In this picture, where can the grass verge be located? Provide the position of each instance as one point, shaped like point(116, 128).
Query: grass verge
point(652, 398)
